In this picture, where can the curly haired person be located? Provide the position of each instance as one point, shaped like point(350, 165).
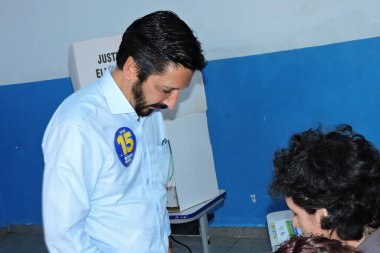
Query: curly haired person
point(331, 182)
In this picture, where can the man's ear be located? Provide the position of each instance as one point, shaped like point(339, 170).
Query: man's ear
point(130, 69)
point(322, 212)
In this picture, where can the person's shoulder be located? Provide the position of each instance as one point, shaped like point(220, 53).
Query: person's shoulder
point(372, 243)
point(81, 106)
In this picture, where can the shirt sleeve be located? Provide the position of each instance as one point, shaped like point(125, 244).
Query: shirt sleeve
point(71, 168)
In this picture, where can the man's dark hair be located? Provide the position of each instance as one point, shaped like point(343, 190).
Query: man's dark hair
point(338, 170)
point(158, 40)
point(313, 244)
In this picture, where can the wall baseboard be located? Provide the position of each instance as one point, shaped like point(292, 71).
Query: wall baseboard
point(213, 231)
point(239, 232)
point(28, 229)
point(4, 230)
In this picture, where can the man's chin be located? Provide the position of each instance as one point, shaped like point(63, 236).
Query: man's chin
point(145, 112)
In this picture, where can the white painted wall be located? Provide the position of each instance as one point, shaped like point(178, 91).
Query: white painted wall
point(36, 35)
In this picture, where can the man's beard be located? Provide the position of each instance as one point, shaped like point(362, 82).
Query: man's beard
point(141, 108)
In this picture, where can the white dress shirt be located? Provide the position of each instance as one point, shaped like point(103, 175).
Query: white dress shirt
point(105, 174)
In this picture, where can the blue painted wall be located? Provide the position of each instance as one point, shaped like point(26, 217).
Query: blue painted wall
point(254, 104)
point(25, 112)
point(3, 215)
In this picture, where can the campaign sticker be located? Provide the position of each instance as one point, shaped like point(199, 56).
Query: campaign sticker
point(125, 145)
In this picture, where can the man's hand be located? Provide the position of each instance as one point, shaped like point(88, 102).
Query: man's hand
point(170, 246)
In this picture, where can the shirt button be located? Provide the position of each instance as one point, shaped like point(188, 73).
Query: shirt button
point(147, 181)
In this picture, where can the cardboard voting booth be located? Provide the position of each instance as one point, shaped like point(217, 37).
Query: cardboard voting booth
point(194, 179)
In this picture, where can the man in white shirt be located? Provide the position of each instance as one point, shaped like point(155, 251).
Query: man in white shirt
point(105, 150)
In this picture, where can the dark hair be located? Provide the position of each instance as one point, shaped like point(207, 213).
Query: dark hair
point(338, 170)
point(313, 244)
point(157, 40)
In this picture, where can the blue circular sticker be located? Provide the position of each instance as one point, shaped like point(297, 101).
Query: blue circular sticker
point(125, 145)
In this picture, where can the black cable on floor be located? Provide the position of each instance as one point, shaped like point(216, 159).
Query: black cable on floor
point(180, 243)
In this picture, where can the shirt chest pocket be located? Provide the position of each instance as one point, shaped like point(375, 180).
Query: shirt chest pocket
point(160, 158)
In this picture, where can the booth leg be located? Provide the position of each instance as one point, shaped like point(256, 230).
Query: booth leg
point(203, 224)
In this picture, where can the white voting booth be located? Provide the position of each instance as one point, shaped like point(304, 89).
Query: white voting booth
point(194, 172)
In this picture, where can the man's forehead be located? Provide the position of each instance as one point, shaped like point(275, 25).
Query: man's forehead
point(178, 79)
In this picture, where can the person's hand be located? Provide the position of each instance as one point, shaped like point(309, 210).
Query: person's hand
point(170, 246)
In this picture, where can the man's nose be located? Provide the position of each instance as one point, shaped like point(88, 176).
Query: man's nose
point(171, 101)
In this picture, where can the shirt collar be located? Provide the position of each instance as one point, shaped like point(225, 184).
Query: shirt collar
point(117, 102)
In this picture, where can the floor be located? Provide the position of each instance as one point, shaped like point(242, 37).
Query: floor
point(17, 242)
point(223, 245)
